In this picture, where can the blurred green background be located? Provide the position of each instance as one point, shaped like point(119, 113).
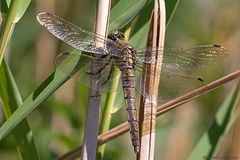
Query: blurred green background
point(58, 123)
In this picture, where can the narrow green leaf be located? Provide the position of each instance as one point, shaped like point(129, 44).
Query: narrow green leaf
point(124, 11)
point(15, 12)
point(141, 25)
point(48, 87)
point(108, 108)
point(140, 28)
point(171, 6)
point(4, 7)
point(11, 101)
point(19, 8)
point(208, 143)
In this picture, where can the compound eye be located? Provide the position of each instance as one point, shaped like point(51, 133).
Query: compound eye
point(112, 36)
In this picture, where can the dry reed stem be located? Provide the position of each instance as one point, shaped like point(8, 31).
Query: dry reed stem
point(148, 103)
point(92, 121)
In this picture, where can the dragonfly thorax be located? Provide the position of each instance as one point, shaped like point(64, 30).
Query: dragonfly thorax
point(127, 56)
point(128, 59)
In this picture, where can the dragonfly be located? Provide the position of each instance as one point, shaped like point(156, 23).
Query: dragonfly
point(175, 71)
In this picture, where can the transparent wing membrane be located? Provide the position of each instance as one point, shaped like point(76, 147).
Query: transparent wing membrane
point(173, 83)
point(176, 67)
point(77, 37)
point(79, 66)
point(187, 59)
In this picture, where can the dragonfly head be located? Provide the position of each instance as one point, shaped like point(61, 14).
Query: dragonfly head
point(116, 36)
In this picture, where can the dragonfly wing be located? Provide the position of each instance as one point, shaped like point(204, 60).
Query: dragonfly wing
point(186, 59)
point(77, 37)
point(178, 64)
point(172, 83)
point(79, 67)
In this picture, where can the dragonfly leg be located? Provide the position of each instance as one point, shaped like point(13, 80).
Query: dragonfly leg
point(110, 74)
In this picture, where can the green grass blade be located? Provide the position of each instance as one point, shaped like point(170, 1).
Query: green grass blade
point(140, 28)
point(11, 101)
point(48, 87)
point(15, 12)
point(208, 143)
point(141, 25)
point(171, 6)
point(111, 105)
point(124, 11)
point(9, 91)
point(4, 7)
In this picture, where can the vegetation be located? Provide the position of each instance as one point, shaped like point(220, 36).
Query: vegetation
point(44, 110)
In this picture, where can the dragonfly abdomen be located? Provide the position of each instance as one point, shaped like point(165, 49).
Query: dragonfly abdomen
point(128, 82)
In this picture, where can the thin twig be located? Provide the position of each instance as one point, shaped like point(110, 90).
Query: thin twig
point(123, 128)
